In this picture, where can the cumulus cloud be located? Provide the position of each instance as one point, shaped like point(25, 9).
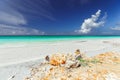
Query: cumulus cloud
point(93, 22)
point(15, 30)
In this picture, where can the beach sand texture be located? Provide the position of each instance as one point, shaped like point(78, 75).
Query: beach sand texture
point(17, 61)
point(108, 68)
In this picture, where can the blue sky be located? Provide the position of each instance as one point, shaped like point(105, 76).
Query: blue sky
point(59, 17)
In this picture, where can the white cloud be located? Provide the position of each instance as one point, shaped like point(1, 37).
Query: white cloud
point(91, 23)
point(35, 8)
point(115, 28)
point(15, 30)
point(11, 23)
point(12, 18)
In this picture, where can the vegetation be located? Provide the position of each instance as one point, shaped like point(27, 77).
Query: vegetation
point(95, 61)
point(83, 62)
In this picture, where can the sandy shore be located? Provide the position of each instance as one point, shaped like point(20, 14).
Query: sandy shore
point(17, 59)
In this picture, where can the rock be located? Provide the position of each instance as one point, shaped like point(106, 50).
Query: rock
point(27, 78)
point(58, 59)
point(47, 58)
point(70, 68)
point(11, 77)
point(70, 57)
point(72, 64)
point(78, 63)
point(77, 52)
point(54, 62)
point(78, 57)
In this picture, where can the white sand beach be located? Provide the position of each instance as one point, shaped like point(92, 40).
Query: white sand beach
point(16, 60)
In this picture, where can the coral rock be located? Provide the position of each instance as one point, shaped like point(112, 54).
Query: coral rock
point(77, 52)
point(72, 64)
point(57, 59)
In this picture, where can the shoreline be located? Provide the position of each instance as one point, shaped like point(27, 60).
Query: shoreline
point(34, 51)
point(14, 58)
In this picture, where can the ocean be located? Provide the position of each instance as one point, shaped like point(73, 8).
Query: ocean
point(19, 39)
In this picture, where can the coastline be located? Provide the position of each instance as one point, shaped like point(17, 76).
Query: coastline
point(38, 50)
point(14, 58)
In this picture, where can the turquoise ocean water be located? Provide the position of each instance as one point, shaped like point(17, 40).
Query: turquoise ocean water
point(14, 39)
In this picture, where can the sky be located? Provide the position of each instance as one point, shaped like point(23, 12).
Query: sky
point(59, 17)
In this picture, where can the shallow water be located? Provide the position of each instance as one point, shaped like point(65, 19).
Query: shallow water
point(19, 39)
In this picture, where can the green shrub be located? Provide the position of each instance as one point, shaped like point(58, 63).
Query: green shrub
point(83, 62)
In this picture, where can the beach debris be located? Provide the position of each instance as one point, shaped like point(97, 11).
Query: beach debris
point(57, 59)
point(79, 56)
point(72, 64)
point(71, 67)
point(106, 41)
point(13, 76)
point(77, 52)
point(47, 58)
point(64, 60)
point(70, 57)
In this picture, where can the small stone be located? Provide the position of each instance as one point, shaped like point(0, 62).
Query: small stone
point(27, 78)
point(77, 52)
point(78, 57)
point(72, 64)
point(47, 58)
point(78, 64)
